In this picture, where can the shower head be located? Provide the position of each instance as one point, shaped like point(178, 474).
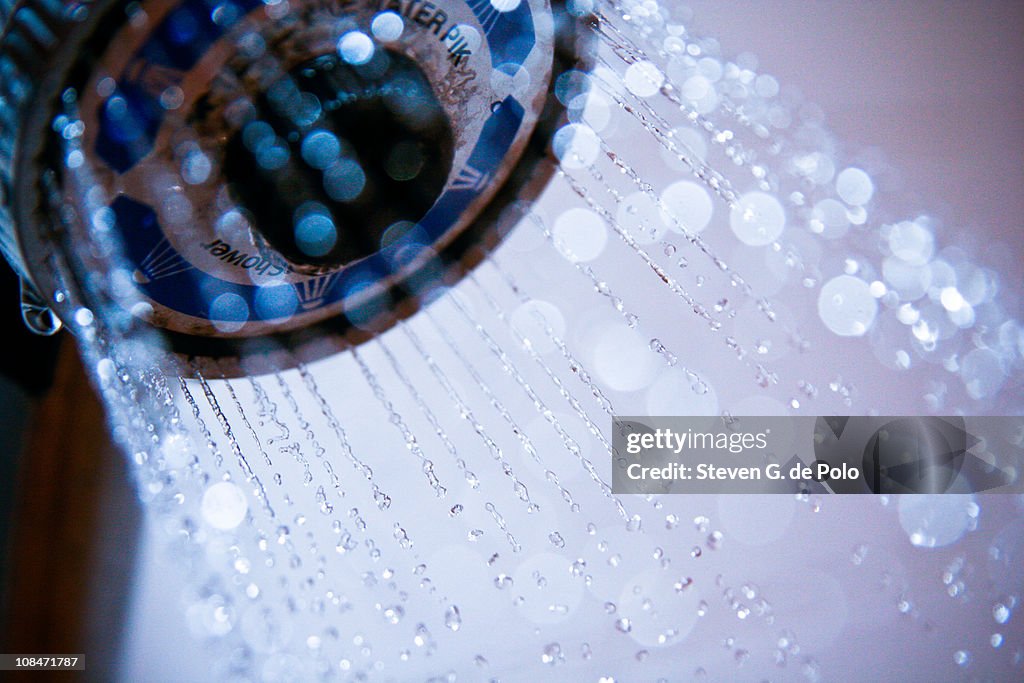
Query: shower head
point(258, 175)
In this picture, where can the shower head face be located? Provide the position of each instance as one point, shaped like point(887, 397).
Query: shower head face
point(262, 169)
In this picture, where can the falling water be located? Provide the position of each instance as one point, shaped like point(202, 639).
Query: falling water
point(435, 503)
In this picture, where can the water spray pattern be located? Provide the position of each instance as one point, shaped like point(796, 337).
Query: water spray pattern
point(435, 504)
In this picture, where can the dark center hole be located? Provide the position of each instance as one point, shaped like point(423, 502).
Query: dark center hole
point(337, 154)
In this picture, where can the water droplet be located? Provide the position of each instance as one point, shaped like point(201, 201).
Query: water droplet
point(224, 506)
point(846, 306)
point(854, 186)
point(757, 219)
point(551, 654)
point(402, 537)
point(643, 78)
point(453, 618)
point(84, 317)
point(356, 48)
point(394, 614)
point(387, 26)
point(1001, 613)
